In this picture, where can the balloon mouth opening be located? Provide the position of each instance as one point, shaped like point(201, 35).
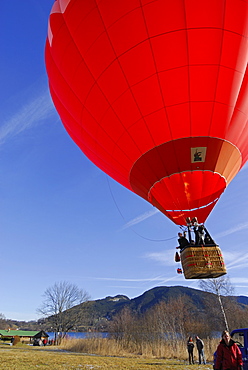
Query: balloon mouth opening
point(179, 217)
point(193, 209)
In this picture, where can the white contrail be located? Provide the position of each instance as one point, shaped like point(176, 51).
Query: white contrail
point(235, 260)
point(159, 279)
point(140, 218)
point(239, 280)
point(130, 279)
point(31, 113)
point(234, 229)
point(166, 258)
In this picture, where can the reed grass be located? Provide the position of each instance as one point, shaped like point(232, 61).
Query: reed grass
point(159, 349)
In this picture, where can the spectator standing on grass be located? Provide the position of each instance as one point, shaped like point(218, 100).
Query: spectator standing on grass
point(228, 356)
point(200, 349)
point(190, 347)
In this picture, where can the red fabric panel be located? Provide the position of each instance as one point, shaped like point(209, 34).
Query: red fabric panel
point(162, 129)
point(204, 14)
point(139, 56)
point(145, 102)
point(175, 86)
point(179, 120)
point(174, 46)
point(164, 16)
point(129, 31)
point(127, 109)
point(107, 82)
point(118, 10)
point(101, 48)
point(208, 50)
point(88, 24)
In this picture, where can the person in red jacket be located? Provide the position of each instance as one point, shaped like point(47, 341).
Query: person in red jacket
point(228, 356)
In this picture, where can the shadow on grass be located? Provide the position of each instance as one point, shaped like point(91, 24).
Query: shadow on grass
point(162, 363)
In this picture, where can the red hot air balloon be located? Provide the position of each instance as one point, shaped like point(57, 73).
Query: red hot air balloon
point(155, 93)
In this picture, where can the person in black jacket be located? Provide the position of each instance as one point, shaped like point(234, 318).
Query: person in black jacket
point(182, 240)
point(200, 346)
point(190, 347)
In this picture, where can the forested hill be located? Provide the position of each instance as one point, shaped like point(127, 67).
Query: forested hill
point(104, 309)
point(242, 299)
point(109, 306)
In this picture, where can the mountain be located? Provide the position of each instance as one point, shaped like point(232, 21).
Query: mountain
point(109, 306)
point(163, 293)
point(242, 299)
point(95, 314)
point(103, 308)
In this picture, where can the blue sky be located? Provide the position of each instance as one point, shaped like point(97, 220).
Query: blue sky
point(62, 219)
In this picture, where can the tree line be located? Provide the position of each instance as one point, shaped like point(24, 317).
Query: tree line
point(176, 317)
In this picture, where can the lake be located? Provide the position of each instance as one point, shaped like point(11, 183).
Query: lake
point(81, 335)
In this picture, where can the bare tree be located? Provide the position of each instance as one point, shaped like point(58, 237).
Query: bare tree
point(220, 287)
point(172, 319)
point(58, 300)
point(3, 321)
point(123, 326)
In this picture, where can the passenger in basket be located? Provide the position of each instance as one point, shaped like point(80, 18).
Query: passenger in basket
point(208, 239)
point(199, 235)
point(182, 240)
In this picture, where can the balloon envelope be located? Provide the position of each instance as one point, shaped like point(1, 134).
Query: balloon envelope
point(155, 93)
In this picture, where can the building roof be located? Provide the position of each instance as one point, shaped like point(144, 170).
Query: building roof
point(23, 333)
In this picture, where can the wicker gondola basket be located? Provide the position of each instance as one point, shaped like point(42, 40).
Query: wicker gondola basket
point(202, 262)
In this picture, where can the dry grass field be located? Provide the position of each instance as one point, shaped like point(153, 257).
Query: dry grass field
point(53, 358)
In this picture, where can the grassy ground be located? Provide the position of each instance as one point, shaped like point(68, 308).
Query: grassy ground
point(52, 358)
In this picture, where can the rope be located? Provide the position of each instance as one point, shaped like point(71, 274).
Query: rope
point(135, 232)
